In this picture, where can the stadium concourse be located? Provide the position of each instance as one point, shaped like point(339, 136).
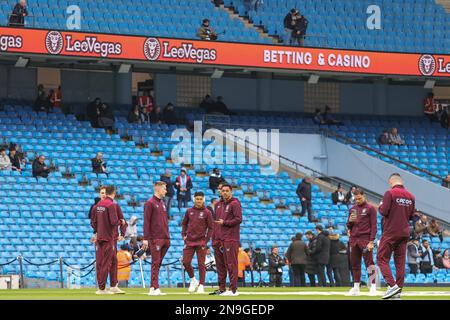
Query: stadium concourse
point(59, 205)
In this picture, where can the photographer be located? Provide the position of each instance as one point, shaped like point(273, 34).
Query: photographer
point(205, 32)
point(17, 18)
point(276, 264)
point(259, 262)
point(299, 29)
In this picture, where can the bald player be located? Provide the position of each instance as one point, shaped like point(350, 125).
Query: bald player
point(197, 227)
point(104, 221)
point(156, 233)
point(397, 209)
point(229, 222)
point(362, 225)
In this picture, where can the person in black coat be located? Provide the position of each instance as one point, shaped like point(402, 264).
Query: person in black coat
point(304, 193)
point(276, 263)
point(41, 102)
point(215, 179)
point(93, 112)
point(16, 163)
point(169, 115)
point(170, 186)
point(106, 117)
point(320, 252)
point(156, 116)
point(40, 169)
point(338, 265)
point(299, 29)
point(133, 115)
point(183, 185)
point(296, 255)
point(17, 18)
point(338, 197)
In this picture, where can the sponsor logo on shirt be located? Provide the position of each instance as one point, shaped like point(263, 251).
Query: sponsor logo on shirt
point(158, 248)
point(403, 202)
point(202, 215)
point(364, 212)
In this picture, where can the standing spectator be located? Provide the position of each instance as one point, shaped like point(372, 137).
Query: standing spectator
point(145, 105)
point(98, 165)
point(426, 258)
point(445, 259)
point(5, 162)
point(429, 108)
point(296, 255)
point(183, 185)
point(435, 230)
point(133, 115)
point(413, 256)
point(215, 179)
point(421, 227)
point(320, 253)
point(167, 178)
point(289, 24)
point(212, 206)
point(384, 139)
point(328, 118)
point(338, 197)
point(396, 138)
point(205, 32)
point(445, 117)
point(16, 162)
point(318, 118)
point(124, 259)
point(304, 193)
point(17, 18)
point(41, 103)
point(299, 30)
point(131, 232)
point(446, 182)
point(243, 264)
point(55, 98)
point(350, 196)
point(40, 169)
point(93, 111)
point(276, 264)
point(311, 263)
point(169, 115)
point(338, 262)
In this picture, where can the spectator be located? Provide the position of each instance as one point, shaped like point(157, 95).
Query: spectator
point(445, 259)
point(413, 256)
point(445, 117)
point(435, 230)
point(396, 138)
point(299, 30)
point(207, 103)
point(156, 116)
point(131, 232)
point(16, 162)
point(338, 197)
point(212, 206)
point(318, 118)
point(215, 179)
point(210, 261)
point(169, 115)
point(124, 259)
point(17, 18)
point(304, 193)
point(41, 103)
point(98, 165)
point(429, 107)
point(243, 264)
point(338, 262)
point(205, 32)
point(183, 185)
point(321, 253)
point(350, 196)
point(296, 255)
point(276, 264)
point(145, 105)
point(328, 118)
point(40, 169)
point(384, 139)
point(5, 162)
point(446, 182)
point(311, 263)
point(426, 258)
point(106, 117)
point(133, 115)
point(221, 108)
point(421, 227)
point(55, 97)
point(93, 111)
point(289, 22)
point(167, 178)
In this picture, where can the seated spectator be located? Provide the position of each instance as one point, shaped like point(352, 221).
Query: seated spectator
point(421, 226)
point(318, 118)
point(444, 118)
point(5, 162)
point(133, 115)
point(299, 30)
point(98, 165)
point(445, 259)
point(350, 196)
point(220, 107)
point(169, 115)
point(16, 162)
point(205, 32)
point(435, 230)
point(40, 169)
point(156, 116)
point(93, 111)
point(338, 197)
point(215, 179)
point(396, 138)
point(326, 116)
point(207, 103)
point(17, 17)
point(41, 104)
point(429, 108)
point(384, 139)
point(446, 182)
point(106, 117)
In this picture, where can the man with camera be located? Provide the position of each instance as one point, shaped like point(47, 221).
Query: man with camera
point(205, 32)
point(276, 264)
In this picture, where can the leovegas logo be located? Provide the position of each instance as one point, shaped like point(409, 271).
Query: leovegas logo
point(431, 65)
point(10, 42)
point(187, 51)
point(55, 42)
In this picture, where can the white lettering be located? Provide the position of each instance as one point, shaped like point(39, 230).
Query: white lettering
point(74, 19)
point(374, 20)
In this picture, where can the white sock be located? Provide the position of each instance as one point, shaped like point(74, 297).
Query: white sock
point(373, 286)
point(356, 285)
point(193, 279)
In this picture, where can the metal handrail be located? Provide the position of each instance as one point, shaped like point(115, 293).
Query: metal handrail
point(33, 18)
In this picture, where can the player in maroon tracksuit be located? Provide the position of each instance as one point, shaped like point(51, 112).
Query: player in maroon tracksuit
point(362, 225)
point(117, 238)
point(397, 209)
point(229, 222)
point(197, 227)
point(156, 233)
point(104, 220)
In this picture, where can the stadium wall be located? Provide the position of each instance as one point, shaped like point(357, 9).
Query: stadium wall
point(18, 83)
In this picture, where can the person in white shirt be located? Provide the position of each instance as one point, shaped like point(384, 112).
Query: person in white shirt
point(5, 162)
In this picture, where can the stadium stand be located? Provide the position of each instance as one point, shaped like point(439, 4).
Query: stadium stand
point(47, 218)
point(407, 26)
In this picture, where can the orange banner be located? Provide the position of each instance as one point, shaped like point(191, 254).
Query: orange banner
point(155, 49)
